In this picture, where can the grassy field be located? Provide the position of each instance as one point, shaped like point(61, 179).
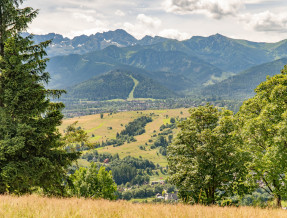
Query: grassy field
point(34, 206)
point(107, 128)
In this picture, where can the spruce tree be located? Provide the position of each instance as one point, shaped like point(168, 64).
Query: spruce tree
point(32, 153)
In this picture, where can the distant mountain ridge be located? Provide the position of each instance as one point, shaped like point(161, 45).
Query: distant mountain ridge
point(181, 66)
point(230, 55)
point(83, 44)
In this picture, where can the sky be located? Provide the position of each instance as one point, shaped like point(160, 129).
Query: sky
point(254, 20)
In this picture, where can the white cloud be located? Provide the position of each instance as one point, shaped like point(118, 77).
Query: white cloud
point(152, 22)
point(85, 17)
point(137, 30)
point(174, 34)
point(120, 13)
point(266, 21)
point(214, 8)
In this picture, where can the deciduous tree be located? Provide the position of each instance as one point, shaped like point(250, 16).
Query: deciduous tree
point(204, 161)
point(94, 183)
point(263, 127)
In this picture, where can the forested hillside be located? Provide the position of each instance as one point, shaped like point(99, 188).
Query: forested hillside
point(119, 84)
point(242, 86)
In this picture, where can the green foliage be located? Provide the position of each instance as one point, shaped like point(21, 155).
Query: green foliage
point(204, 161)
point(129, 169)
point(94, 156)
point(114, 85)
point(263, 127)
point(75, 134)
point(148, 88)
point(136, 127)
point(118, 84)
point(13, 20)
point(94, 183)
point(258, 198)
point(124, 173)
point(32, 154)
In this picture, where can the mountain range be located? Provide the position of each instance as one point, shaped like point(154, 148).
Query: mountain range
point(214, 65)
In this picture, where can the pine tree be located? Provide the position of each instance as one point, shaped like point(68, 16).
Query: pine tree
point(32, 153)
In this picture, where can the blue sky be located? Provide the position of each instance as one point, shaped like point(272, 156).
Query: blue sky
point(255, 20)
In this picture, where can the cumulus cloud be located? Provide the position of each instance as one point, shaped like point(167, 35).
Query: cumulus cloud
point(152, 22)
point(85, 17)
point(120, 13)
point(214, 8)
point(174, 34)
point(266, 21)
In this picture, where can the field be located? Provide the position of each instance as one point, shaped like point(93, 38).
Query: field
point(35, 206)
point(107, 128)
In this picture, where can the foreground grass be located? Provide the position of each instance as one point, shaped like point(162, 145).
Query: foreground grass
point(34, 206)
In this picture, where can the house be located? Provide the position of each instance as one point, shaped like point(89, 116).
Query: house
point(171, 196)
point(159, 196)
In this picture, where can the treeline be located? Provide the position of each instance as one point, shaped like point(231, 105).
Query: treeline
point(164, 137)
point(112, 85)
point(146, 191)
point(118, 84)
point(129, 169)
point(134, 128)
point(148, 88)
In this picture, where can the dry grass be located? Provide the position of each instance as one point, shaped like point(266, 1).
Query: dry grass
point(93, 124)
point(34, 206)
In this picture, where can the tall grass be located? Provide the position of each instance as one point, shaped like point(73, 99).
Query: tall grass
point(35, 206)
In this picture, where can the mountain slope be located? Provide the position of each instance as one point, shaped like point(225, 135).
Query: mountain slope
point(72, 69)
point(242, 85)
point(230, 55)
point(118, 84)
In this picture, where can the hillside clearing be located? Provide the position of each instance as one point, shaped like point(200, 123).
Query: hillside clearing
point(131, 95)
point(35, 206)
point(111, 124)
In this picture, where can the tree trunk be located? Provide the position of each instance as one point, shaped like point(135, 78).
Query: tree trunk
point(278, 201)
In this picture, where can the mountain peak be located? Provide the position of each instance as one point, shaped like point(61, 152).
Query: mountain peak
point(218, 36)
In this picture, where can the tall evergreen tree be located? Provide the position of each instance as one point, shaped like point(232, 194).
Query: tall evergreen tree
point(32, 153)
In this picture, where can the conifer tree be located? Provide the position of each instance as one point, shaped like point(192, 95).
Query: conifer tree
point(32, 154)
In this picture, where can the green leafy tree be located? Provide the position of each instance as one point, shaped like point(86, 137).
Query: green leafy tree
point(94, 183)
point(32, 153)
point(263, 127)
point(204, 161)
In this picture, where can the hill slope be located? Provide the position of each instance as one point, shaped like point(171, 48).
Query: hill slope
point(242, 85)
point(99, 131)
point(119, 84)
